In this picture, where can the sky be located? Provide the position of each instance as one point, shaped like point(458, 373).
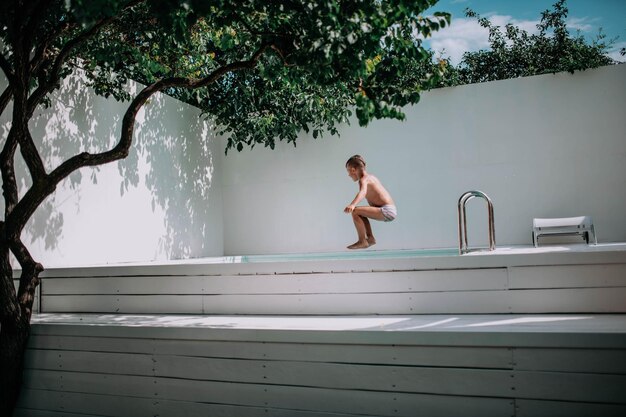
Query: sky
point(465, 34)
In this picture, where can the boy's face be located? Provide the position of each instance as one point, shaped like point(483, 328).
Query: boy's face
point(353, 173)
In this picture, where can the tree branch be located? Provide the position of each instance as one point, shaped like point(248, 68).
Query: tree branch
point(16, 220)
point(29, 279)
point(5, 98)
point(65, 52)
point(9, 183)
point(31, 157)
point(36, 11)
point(6, 68)
point(9, 310)
point(42, 48)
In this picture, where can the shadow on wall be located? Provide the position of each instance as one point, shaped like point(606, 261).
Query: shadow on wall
point(171, 161)
point(175, 146)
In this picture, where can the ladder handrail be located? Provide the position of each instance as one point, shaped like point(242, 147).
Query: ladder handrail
point(463, 245)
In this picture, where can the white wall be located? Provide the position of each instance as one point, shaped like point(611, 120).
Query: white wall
point(544, 146)
point(162, 202)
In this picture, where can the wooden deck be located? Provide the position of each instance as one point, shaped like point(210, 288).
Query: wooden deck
point(506, 282)
point(495, 365)
point(505, 334)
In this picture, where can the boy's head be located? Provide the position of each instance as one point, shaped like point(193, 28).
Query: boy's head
point(355, 167)
point(355, 161)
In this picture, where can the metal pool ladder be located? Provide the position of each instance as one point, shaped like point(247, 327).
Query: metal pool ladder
point(463, 248)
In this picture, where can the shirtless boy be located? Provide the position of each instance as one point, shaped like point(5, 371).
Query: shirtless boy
point(381, 206)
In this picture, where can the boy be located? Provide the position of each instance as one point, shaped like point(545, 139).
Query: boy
point(381, 206)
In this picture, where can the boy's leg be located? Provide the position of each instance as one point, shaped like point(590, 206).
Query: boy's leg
point(372, 212)
point(360, 217)
point(369, 235)
point(361, 231)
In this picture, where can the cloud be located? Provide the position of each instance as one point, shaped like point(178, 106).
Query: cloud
point(461, 36)
point(584, 24)
point(615, 51)
point(465, 34)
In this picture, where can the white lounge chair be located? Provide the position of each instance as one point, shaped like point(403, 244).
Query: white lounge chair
point(582, 225)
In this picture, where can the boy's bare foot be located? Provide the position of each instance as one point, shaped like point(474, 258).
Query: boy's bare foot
point(371, 241)
point(359, 245)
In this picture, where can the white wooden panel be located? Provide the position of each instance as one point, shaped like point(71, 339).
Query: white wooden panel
point(569, 386)
point(611, 361)
point(476, 357)
point(77, 361)
point(230, 396)
point(534, 408)
point(568, 276)
point(96, 405)
point(28, 412)
point(125, 285)
point(179, 408)
point(373, 282)
point(174, 304)
point(360, 403)
point(91, 383)
point(575, 300)
point(472, 302)
point(585, 331)
point(339, 376)
point(249, 395)
point(288, 399)
point(461, 302)
point(504, 258)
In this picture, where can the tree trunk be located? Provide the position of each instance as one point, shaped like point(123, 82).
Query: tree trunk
point(14, 332)
point(13, 340)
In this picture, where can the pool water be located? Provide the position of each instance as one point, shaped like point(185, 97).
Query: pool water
point(330, 256)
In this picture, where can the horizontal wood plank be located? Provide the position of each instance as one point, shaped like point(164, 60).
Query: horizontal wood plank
point(611, 361)
point(158, 304)
point(275, 399)
point(448, 381)
point(90, 404)
point(451, 381)
point(568, 386)
point(570, 300)
point(340, 283)
point(99, 362)
point(29, 412)
point(567, 276)
point(461, 302)
point(585, 331)
point(536, 408)
point(450, 356)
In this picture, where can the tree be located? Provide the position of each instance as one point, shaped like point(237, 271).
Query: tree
point(263, 71)
point(516, 53)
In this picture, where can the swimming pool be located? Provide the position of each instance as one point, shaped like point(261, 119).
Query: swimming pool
point(352, 255)
point(413, 253)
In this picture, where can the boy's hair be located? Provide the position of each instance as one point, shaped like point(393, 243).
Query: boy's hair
point(356, 161)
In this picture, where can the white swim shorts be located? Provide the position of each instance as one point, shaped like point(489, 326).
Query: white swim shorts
point(389, 212)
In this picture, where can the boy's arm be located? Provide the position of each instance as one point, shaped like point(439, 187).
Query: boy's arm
point(360, 196)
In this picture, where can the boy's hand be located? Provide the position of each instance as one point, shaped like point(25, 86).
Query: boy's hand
point(349, 209)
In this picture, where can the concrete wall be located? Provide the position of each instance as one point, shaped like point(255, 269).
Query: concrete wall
point(544, 146)
point(162, 202)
